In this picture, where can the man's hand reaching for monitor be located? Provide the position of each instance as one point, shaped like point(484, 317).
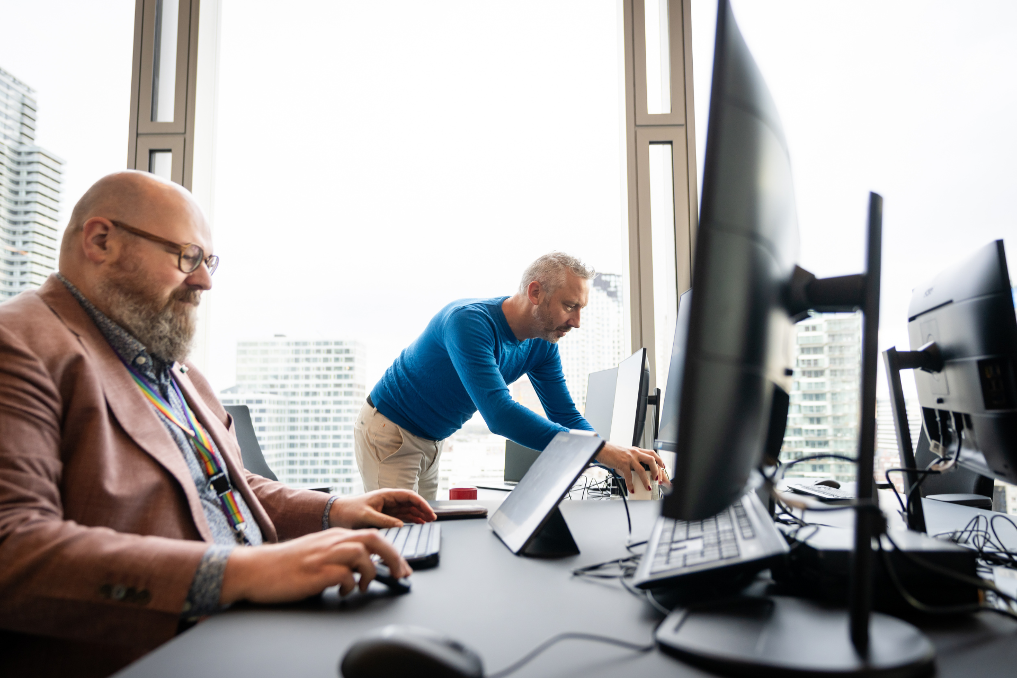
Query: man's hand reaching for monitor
point(625, 460)
point(302, 567)
point(381, 508)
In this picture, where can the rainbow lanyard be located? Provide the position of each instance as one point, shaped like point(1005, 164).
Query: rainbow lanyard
point(218, 481)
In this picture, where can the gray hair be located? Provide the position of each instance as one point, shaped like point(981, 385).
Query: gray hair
point(550, 271)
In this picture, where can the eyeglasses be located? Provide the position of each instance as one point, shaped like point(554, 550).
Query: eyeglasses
point(191, 255)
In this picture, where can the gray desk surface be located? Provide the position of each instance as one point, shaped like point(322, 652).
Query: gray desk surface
point(503, 606)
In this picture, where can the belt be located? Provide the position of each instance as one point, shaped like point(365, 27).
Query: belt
point(369, 401)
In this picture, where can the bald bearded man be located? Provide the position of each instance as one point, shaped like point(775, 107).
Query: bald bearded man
point(125, 509)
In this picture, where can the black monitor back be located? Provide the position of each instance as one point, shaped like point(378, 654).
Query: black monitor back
point(968, 311)
point(739, 337)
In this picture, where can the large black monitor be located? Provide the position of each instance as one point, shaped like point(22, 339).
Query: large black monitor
point(748, 292)
point(740, 325)
point(969, 398)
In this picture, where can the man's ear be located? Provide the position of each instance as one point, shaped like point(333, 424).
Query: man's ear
point(95, 240)
point(534, 292)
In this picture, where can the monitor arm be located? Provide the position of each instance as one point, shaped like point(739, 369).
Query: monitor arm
point(824, 295)
point(928, 358)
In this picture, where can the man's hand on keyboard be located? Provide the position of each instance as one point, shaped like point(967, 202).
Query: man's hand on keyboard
point(293, 570)
point(625, 460)
point(381, 508)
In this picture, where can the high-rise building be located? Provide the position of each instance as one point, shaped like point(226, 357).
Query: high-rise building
point(304, 397)
point(30, 179)
point(823, 417)
point(599, 343)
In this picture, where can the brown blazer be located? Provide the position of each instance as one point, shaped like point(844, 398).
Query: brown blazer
point(101, 528)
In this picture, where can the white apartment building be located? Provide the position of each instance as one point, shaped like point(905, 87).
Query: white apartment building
point(824, 412)
point(304, 396)
point(30, 179)
point(599, 343)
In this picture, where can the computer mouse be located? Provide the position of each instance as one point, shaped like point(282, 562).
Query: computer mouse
point(383, 575)
point(397, 651)
point(828, 483)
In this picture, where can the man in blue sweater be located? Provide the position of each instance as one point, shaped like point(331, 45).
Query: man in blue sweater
point(463, 362)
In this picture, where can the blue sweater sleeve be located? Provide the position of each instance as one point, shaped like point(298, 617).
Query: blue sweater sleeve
point(549, 383)
point(470, 342)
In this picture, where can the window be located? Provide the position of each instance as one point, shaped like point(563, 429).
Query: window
point(381, 161)
point(879, 104)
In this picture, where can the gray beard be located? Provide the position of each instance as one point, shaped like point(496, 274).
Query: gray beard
point(165, 332)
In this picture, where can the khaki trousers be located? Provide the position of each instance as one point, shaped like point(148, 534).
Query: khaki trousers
point(390, 456)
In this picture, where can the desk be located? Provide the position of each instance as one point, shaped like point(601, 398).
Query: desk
point(502, 606)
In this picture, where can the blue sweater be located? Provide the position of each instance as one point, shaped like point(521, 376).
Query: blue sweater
point(463, 362)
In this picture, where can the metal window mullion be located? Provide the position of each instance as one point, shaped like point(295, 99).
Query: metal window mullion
point(145, 123)
point(676, 55)
point(642, 130)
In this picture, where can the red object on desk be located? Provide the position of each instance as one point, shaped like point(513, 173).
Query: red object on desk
point(463, 493)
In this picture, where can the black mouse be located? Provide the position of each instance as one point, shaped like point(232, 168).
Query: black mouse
point(383, 575)
point(828, 483)
point(411, 652)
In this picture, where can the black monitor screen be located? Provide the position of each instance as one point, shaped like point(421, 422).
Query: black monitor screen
point(740, 329)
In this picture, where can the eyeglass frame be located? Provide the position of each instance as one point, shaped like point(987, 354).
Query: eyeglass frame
point(211, 261)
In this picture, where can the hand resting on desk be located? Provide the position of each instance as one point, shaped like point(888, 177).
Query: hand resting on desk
point(302, 567)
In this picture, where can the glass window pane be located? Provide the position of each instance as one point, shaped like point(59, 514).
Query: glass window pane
point(164, 60)
point(160, 163)
point(51, 147)
point(413, 177)
point(665, 272)
point(658, 57)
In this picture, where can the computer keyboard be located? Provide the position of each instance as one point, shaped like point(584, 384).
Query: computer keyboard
point(740, 537)
point(821, 492)
point(418, 544)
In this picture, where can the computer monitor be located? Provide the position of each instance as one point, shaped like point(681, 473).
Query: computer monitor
point(599, 410)
point(667, 436)
point(738, 347)
point(631, 388)
point(969, 404)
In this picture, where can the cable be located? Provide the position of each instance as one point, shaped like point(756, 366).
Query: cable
point(786, 465)
point(512, 668)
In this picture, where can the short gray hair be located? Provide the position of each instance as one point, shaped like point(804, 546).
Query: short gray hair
point(550, 271)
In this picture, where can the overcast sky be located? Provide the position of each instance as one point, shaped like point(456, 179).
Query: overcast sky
point(379, 160)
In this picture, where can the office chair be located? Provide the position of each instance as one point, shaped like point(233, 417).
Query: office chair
point(250, 449)
point(959, 486)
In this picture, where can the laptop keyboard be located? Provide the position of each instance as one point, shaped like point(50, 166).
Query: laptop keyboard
point(689, 544)
point(418, 544)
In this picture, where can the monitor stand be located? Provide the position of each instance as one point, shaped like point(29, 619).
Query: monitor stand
point(927, 358)
point(779, 636)
point(553, 540)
